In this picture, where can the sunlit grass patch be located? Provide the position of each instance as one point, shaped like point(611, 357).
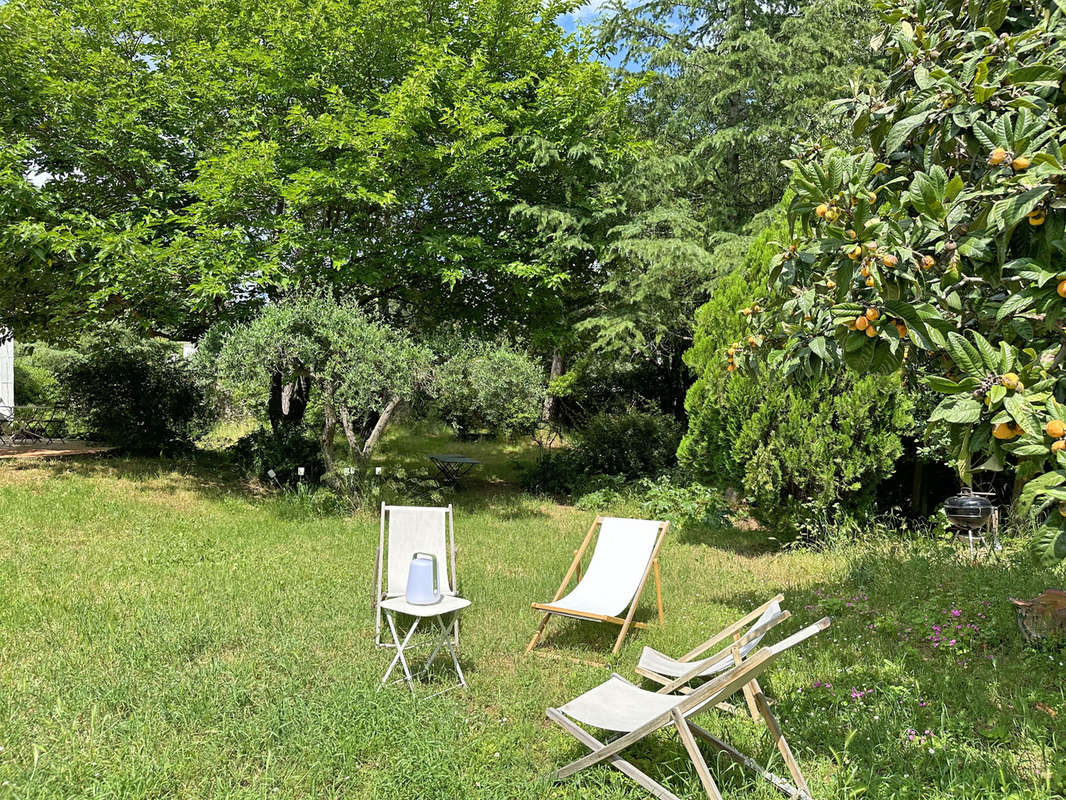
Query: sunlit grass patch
point(165, 633)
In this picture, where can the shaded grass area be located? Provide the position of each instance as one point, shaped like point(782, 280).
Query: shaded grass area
point(163, 632)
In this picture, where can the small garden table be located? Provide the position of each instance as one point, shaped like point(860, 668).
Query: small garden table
point(448, 607)
point(453, 467)
point(31, 424)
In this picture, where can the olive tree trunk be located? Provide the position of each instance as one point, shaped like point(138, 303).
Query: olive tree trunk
point(549, 401)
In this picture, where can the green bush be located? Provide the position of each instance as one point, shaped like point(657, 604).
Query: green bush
point(34, 386)
point(486, 386)
point(283, 451)
point(36, 368)
point(801, 452)
point(608, 451)
point(634, 444)
point(133, 392)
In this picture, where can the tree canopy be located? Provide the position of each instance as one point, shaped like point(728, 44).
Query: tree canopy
point(937, 245)
point(170, 163)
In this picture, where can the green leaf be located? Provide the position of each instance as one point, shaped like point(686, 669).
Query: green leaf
point(1022, 413)
point(1010, 211)
point(1035, 487)
point(964, 355)
point(957, 409)
point(902, 129)
point(989, 354)
point(1014, 304)
point(818, 347)
point(944, 385)
point(1049, 547)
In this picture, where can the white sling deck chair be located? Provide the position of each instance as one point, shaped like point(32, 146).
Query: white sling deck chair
point(626, 552)
point(406, 530)
point(634, 713)
point(675, 674)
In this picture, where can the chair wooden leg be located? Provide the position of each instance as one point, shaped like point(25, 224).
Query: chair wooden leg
point(782, 743)
point(624, 631)
point(536, 636)
point(616, 761)
point(749, 692)
point(658, 591)
point(709, 786)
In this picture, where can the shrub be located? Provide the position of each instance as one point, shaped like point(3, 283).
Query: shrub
point(132, 392)
point(283, 451)
point(36, 368)
point(486, 386)
point(635, 444)
point(802, 451)
point(608, 451)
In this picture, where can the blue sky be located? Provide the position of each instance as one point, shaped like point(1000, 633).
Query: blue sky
point(583, 16)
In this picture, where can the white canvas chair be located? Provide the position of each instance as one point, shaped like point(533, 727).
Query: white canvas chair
point(406, 530)
point(626, 552)
point(675, 674)
point(634, 713)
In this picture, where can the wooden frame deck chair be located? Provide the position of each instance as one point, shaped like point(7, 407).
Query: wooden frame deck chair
point(634, 713)
point(675, 674)
point(626, 551)
point(406, 530)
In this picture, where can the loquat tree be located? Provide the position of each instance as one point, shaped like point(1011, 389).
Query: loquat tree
point(936, 250)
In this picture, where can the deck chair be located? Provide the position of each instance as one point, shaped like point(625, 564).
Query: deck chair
point(634, 713)
point(676, 674)
point(406, 530)
point(626, 551)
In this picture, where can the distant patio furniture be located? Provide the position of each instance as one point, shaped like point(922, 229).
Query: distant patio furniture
point(36, 424)
point(453, 468)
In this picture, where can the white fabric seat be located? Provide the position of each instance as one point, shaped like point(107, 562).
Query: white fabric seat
point(618, 705)
point(618, 563)
point(651, 660)
point(626, 552)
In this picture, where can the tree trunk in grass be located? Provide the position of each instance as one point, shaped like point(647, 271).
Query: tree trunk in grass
point(288, 401)
point(329, 427)
point(354, 450)
point(549, 400)
point(379, 428)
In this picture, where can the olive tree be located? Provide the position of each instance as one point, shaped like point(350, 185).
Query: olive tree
point(360, 368)
point(487, 385)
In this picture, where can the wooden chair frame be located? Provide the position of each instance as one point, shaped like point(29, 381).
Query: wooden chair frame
point(710, 693)
point(575, 569)
point(731, 632)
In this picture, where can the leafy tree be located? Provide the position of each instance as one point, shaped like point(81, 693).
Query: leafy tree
point(481, 385)
point(360, 368)
point(168, 163)
point(937, 247)
point(804, 454)
point(132, 392)
point(730, 85)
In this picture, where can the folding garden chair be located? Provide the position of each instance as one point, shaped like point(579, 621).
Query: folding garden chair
point(634, 713)
point(675, 674)
point(626, 552)
point(405, 531)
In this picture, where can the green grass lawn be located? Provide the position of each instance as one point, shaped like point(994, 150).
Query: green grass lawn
point(166, 633)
